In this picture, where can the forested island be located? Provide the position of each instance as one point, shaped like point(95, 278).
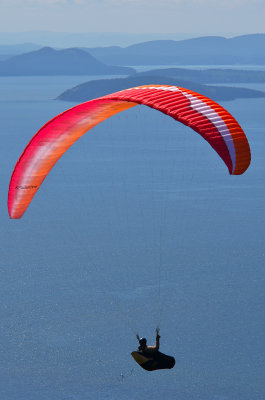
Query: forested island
point(102, 87)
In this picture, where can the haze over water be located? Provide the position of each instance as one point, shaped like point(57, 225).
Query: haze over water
point(140, 205)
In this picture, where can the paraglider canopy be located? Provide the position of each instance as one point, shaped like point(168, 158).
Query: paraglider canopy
point(209, 119)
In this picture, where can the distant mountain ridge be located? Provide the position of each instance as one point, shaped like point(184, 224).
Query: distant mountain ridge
point(88, 39)
point(209, 75)
point(212, 50)
point(48, 61)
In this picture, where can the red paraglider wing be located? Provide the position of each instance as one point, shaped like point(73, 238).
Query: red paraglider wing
point(208, 118)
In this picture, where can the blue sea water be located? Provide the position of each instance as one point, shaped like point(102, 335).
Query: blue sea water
point(138, 224)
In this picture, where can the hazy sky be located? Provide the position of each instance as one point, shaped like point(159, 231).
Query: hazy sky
point(199, 17)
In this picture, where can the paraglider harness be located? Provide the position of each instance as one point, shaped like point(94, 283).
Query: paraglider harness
point(150, 358)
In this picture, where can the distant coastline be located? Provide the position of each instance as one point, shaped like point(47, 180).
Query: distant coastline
point(114, 60)
point(29, 59)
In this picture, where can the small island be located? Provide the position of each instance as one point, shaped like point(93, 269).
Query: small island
point(97, 88)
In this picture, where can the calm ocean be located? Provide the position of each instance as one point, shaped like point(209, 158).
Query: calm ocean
point(138, 224)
